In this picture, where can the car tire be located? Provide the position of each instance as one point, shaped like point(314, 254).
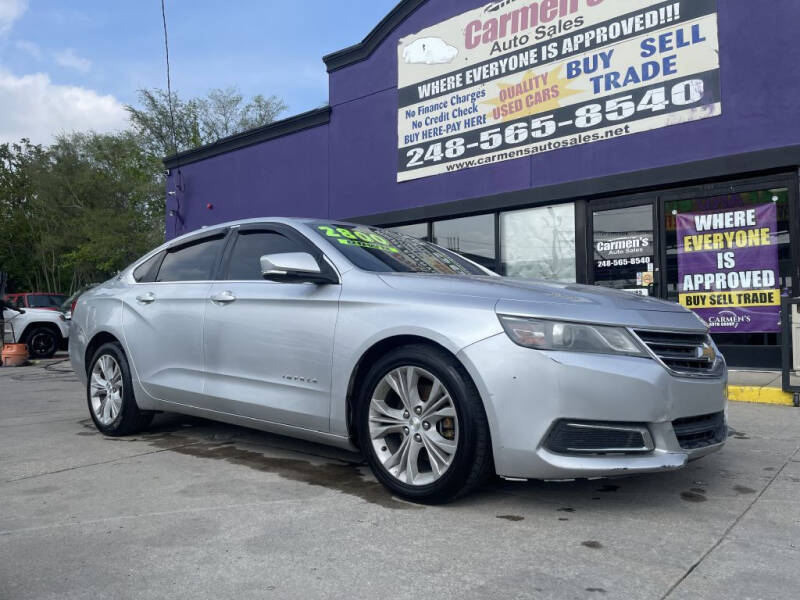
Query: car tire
point(388, 426)
point(109, 394)
point(42, 342)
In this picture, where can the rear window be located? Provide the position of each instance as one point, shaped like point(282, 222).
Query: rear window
point(192, 262)
point(146, 272)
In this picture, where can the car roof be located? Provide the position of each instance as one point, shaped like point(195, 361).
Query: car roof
point(211, 229)
point(255, 220)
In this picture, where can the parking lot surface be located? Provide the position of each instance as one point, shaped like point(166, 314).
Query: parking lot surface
point(195, 509)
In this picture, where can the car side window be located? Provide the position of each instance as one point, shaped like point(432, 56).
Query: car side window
point(245, 260)
point(147, 271)
point(194, 261)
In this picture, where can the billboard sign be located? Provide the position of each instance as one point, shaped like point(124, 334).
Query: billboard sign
point(516, 78)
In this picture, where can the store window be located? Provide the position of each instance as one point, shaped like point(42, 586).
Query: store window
point(472, 237)
point(729, 260)
point(624, 249)
point(539, 243)
point(417, 230)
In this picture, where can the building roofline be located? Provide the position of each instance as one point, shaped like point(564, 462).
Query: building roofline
point(363, 50)
point(288, 126)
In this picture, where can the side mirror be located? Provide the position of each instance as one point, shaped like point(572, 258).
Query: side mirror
point(293, 267)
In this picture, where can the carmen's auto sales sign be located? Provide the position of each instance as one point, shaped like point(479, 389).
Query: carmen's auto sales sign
point(517, 78)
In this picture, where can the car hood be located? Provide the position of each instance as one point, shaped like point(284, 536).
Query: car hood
point(31, 313)
point(552, 300)
point(9, 314)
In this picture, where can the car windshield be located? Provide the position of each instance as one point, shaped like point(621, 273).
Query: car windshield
point(45, 300)
point(384, 251)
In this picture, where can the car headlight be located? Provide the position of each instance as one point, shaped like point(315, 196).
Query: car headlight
point(543, 334)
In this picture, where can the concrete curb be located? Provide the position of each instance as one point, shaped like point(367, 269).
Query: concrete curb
point(759, 395)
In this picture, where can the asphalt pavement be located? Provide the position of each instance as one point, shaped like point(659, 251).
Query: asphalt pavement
point(194, 509)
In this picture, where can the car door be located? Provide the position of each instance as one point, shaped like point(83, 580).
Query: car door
point(163, 318)
point(269, 345)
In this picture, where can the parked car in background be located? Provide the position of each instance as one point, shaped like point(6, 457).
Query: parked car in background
point(69, 304)
point(43, 331)
point(45, 300)
point(439, 371)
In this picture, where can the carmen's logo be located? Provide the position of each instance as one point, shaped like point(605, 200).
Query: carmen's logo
point(728, 319)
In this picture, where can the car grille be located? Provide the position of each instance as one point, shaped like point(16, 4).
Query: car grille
point(569, 437)
point(702, 431)
point(684, 353)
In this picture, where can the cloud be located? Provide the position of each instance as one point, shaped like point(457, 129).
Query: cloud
point(32, 106)
point(69, 59)
point(429, 51)
point(10, 11)
point(29, 48)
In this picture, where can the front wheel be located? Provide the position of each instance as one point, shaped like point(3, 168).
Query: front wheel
point(42, 342)
point(422, 425)
point(109, 392)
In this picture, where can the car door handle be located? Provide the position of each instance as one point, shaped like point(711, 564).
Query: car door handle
point(223, 298)
point(147, 298)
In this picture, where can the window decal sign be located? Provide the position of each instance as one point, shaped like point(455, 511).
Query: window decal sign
point(620, 249)
point(516, 78)
point(728, 268)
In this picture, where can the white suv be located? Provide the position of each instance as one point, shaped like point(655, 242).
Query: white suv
point(43, 331)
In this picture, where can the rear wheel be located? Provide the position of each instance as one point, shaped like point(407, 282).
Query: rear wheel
point(109, 392)
point(42, 342)
point(422, 425)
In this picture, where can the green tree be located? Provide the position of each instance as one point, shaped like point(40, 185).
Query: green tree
point(78, 211)
point(17, 208)
point(198, 121)
point(83, 208)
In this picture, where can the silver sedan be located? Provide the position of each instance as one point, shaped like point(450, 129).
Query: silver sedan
point(440, 372)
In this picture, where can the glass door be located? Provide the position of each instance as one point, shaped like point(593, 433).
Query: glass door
point(623, 251)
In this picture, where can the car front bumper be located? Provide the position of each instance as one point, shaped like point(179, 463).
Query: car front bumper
point(527, 391)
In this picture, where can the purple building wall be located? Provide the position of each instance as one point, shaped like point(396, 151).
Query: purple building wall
point(285, 176)
point(348, 167)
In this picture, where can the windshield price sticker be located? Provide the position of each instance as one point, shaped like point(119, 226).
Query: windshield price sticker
point(355, 237)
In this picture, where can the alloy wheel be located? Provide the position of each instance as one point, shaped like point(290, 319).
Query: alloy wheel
point(106, 389)
point(413, 425)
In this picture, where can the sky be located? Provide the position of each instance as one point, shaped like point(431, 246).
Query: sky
point(72, 65)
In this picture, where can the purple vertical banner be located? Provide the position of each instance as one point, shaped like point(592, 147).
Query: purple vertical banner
point(728, 268)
